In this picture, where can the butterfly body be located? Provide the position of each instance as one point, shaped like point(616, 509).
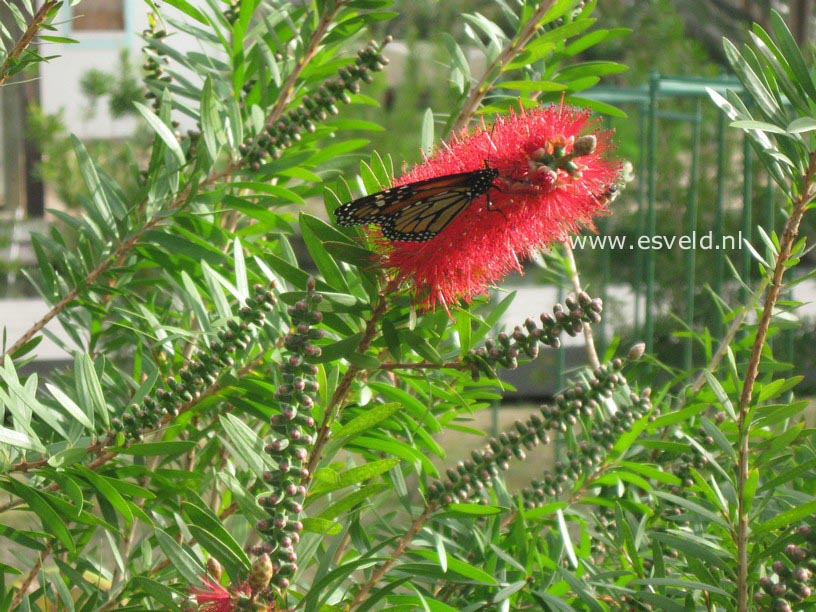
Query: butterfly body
point(418, 212)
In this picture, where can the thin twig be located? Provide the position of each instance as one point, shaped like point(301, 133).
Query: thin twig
point(725, 342)
point(425, 365)
point(344, 386)
point(416, 526)
point(592, 353)
point(18, 596)
point(479, 90)
point(314, 43)
point(789, 236)
point(26, 39)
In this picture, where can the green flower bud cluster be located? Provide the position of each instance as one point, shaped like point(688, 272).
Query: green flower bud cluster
point(283, 132)
point(155, 77)
point(793, 578)
point(294, 435)
point(589, 455)
point(201, 372)
point(606, 519)
point(233, 11)
point(507, 348)
point(473, 476)
point(692, 459)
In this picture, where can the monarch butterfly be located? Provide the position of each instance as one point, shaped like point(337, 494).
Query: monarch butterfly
point(418, 211)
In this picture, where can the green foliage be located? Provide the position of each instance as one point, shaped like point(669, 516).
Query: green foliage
point(270, 419)
point(21, 22)
point(123, 87)
point(59, 167)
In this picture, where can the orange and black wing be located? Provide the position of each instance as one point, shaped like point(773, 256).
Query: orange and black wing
point(417, 212)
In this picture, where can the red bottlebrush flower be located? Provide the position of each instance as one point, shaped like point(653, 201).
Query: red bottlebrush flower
point(215, 598)
point(552, 180)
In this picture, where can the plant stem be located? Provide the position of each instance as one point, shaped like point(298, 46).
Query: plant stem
point(28, 36)
point(416, 526)
point(479, 90)
point(344, 386)
point(18, 596)
point(592, 353)
point(789, 236)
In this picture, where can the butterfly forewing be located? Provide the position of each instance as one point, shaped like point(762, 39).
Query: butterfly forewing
point(417, 212)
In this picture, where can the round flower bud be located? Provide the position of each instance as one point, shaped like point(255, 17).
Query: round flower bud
point(260, 573)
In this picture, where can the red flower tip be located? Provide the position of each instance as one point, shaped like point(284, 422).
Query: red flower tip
point(553, 179)
point(213, 597)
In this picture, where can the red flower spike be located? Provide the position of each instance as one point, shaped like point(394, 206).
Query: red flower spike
point(215, 598)
point(547, 189)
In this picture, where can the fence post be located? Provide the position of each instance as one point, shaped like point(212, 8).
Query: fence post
point(651, 213)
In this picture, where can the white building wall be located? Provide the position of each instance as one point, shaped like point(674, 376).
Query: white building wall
point(60, 78)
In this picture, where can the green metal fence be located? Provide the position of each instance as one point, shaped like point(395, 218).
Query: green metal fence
point(723, 192)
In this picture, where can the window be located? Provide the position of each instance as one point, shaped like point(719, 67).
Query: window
point(95, 15)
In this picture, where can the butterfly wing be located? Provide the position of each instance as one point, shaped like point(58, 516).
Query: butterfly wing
point(417, 212)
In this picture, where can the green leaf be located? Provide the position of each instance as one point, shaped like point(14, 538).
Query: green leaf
point(355, 475)
point(90, 391)
point(368, 420)
point(187, 566)
point(164, 449)
point(321, 526)
point(473, 509)
point(28, 539)
point(792, 53)
point(789, 517)
point(331, 272)
point(565, 538)
point(74, 411)
point(67, 457)
point(64, 40)
point(532, 86)
point(426, 140)
point(421, 346)
point(797, 471)
point(51, 521)
point(106, 490)
point(777, 387)
point(212, 128)
point(189, 10)
point(750, 488)
point(92, 182)
point(162, 593)
point(338, 350)
point(235, 564)
point(760, 94)
point(416, 408)
point(204, 518)
point(686, 585)
point(693, 507)
point(21, 440)
point(802, 124)
point(350, 253)
point(22, 402)
point(460, 567)
point(720, 393)
point(699, 548)
point(323, 586)
point(351, 500)
point(248, 446)
point(162, 130)
point(762, 126)
point(651, 472)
